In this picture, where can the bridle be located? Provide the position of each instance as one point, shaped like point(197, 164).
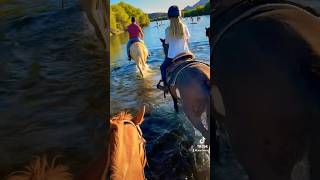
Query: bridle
point(143, 141)
point(141, 147)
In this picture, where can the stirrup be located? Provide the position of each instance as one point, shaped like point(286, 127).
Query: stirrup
point(161, 87)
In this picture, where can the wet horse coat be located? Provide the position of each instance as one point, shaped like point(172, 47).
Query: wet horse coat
point(139, 53)
point(267, 72)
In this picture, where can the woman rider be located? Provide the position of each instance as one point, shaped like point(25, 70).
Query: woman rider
point(135, 34)
point(177, 36)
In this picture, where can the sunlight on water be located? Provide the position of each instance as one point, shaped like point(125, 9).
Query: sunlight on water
point(169, 135)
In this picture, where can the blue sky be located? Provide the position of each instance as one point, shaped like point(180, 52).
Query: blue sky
point(150, 6)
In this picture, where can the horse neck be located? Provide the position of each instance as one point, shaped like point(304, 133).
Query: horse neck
point(125, 159)
point(132, 141)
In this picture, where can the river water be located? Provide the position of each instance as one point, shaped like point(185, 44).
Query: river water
point(169, 135)
point(53, 96)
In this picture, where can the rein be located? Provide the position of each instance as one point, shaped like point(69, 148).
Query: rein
point(141, 145)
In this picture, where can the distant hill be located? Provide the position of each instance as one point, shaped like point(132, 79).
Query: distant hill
point(200, 3)
point(157, 15)
point(161, 15)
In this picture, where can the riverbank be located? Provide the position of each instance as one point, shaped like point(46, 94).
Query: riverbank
point(120, 17)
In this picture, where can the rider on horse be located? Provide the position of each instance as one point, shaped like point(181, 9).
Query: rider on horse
point(177, 36)
point(135, 35)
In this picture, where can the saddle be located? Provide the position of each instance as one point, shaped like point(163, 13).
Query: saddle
point(134, 41)
point(179, 63)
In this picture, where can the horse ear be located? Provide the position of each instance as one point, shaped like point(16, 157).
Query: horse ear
point(162, 40)
point(139, 118)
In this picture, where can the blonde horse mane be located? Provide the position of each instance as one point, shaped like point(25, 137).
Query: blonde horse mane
point(122, 116)
point(41, 169)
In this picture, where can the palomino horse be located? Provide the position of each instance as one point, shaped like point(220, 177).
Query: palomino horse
point(139, 54)
point(266, 57)
point(192, 87)
point(124, 157)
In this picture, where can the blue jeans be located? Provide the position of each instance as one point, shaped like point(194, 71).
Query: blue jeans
point(132, 40)
point(163, 68)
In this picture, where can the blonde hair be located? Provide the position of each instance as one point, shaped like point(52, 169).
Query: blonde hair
point(176, 29)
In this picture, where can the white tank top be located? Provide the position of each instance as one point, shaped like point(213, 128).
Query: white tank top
point(177, 46)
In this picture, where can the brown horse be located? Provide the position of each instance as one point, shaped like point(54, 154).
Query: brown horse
point(124, 157)
point(139, 53)
point(266, 57)
point(192, 87)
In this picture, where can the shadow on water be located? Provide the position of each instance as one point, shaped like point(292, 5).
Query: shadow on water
point(52, 86)
point(170, 136)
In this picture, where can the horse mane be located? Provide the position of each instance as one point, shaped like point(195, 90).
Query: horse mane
point(124, 115)
point(40, 168)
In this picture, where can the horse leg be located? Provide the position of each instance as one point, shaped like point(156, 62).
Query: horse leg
point(195, 118)
point(175, 103)
point(174, 98)
point(140, 69)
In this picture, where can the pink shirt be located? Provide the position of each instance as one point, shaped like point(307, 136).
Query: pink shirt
point(134, 30)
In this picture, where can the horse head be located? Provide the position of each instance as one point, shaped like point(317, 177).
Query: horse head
point(165, 46)
point(126, 146)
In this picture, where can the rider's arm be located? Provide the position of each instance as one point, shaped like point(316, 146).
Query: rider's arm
point(142, 35)
point(141, 32)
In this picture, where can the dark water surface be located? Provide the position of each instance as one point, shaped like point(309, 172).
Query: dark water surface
point(52, 84)
point(169, 135)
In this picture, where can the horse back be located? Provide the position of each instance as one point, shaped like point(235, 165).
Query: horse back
point(270, 86)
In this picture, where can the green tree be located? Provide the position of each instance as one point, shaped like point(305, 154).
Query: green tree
point(120, 15)
point(122, 18)
point(113, 23)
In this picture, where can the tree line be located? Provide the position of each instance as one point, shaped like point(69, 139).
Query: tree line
point(198, 11)
point(120, 17)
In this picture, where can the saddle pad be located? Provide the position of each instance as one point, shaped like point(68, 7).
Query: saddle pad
point(174, 71)
point(136, 40)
